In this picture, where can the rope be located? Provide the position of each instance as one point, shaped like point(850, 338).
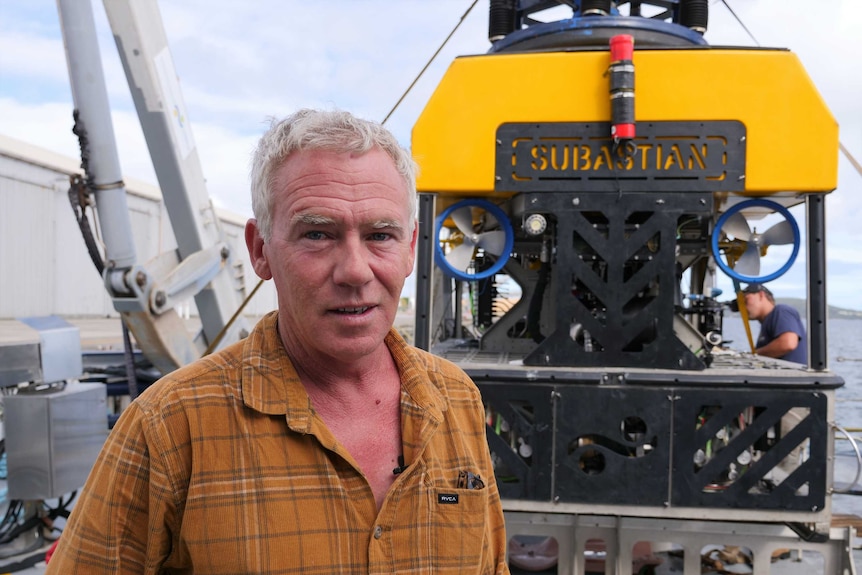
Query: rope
point(416, 79)
point(841, 145)
point(229, 323)
point(741, 23)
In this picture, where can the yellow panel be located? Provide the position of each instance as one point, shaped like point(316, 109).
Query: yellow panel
point(792, 138)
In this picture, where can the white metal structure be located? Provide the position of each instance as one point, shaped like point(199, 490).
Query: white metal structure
point(204, 264)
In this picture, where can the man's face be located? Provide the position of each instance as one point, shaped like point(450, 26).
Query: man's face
point(340, 250)
point(758, 305)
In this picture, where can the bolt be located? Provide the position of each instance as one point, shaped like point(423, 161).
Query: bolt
point(556, 498)
point(576, 201)
point(702, 202)
point(161, 298)
point(742, 177)
point(742, 139)
point(534, 200)
point(620, 378)
point(497, 178)
point(660, 202)
point(225, 253)
point(141, 279)
point(499, 142)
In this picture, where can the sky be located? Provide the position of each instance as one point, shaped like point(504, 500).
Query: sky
point(241, 63)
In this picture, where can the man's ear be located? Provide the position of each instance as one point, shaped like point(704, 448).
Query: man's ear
point(255, 244)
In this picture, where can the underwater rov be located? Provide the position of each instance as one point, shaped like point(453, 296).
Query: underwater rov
point(581, 186)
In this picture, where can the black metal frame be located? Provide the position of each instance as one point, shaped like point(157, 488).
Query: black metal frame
point(617, 246)
point(583, 453)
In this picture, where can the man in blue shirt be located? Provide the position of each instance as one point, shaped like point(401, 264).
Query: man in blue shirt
point(781, 332)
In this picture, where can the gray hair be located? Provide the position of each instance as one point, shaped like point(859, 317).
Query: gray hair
point(336, 131)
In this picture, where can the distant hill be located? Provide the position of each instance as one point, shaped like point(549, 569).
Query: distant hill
point(833, 311)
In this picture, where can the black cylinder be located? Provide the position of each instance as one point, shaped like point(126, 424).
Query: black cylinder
point(623, 108)
point(622, 77)
point(501, 19)
point(595, 7)
point(694, 14)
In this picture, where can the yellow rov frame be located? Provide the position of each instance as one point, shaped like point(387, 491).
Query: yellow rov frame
point(792, 137)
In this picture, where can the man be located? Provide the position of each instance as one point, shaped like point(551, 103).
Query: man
point(323, 443)
point(781, 332)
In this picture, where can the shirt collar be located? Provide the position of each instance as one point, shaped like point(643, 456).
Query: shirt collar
point(271, 385)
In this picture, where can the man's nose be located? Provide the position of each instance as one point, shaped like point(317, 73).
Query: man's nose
point(353, 264)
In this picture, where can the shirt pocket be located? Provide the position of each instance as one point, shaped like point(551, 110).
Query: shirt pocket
point(460, 518)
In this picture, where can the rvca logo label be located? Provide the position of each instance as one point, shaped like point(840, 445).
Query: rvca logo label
point(447, 498)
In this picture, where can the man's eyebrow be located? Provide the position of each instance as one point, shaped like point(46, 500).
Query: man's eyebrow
point(312, 220)
point(319, 220)
point(387, 224)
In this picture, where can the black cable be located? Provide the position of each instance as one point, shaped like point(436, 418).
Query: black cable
point(12, 512)
point(534, 311)
point(129, 356)
point(62, 508)
point(9, 525)
point(741, 23)
point(77, 192)
point(807, 533)
point(21, 528)
point(25, 563)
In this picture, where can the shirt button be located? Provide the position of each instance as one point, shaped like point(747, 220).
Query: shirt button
point(378, 532)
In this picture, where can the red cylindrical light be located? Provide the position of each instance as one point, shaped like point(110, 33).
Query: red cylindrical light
point(622, 87)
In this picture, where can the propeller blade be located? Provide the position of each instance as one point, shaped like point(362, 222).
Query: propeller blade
point(490, 222)
point(463, 218)
point(780, 233)
point(493, 242)
point(737, 226)
point(749, 263)
point(460, 257)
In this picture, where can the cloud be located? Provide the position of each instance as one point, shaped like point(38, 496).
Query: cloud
point(48, 125)
point(18, 51)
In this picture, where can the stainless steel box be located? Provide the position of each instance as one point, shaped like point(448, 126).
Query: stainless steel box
point(52, 439)
point(60, 347)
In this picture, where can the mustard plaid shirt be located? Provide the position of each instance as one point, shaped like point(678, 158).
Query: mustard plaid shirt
point(223, 467)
